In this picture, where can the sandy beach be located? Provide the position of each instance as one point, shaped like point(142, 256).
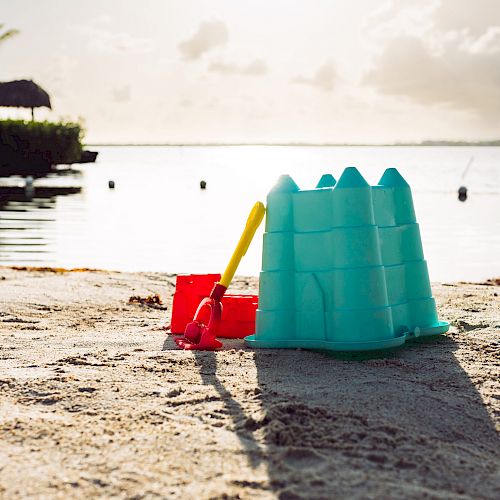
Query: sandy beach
point(97, 401)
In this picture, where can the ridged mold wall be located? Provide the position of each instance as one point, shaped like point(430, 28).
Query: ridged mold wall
point(343, 266)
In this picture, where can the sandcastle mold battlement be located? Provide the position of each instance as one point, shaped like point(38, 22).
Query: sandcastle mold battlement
point(343, 266)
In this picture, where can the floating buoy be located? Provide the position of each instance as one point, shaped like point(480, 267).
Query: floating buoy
point(203, 185)
point(462, 190)
point(111, 184)
point(29, 189)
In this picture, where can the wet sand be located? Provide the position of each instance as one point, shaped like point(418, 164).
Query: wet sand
point(96, 401)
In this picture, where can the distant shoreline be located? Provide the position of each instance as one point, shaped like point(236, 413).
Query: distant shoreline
point(495, 143)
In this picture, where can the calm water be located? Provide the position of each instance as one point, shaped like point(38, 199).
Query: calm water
point(157, 218)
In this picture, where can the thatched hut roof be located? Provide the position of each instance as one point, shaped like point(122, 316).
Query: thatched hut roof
point(23, 94)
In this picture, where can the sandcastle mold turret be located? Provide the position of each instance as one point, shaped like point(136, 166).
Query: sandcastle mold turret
point(343, 267)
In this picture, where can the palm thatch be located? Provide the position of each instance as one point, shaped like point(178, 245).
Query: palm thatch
point(23, 94)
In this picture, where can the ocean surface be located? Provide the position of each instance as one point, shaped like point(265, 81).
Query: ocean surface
point(158, 219)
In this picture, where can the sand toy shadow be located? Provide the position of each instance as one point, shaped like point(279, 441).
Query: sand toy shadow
point(404, 422)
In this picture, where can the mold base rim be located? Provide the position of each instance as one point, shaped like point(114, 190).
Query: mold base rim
point(438, 329)
point(251, 341)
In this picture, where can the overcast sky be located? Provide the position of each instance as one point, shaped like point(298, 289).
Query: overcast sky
point(262, 70)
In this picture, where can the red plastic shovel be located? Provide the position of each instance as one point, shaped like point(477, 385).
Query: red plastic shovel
point(201, 333)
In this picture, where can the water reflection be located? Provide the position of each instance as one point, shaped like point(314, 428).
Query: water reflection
point(27, 226)
point(158, 219)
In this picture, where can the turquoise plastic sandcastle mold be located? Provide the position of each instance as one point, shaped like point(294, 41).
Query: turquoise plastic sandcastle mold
point(343, 267)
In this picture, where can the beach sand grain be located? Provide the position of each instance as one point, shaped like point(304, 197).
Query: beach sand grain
point(96, 401)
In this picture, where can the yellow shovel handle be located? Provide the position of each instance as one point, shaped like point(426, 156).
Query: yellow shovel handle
point(253, 222)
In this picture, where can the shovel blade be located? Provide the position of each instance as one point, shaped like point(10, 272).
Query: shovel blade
point(193, 331)
point(197, 335)
point(207, 343)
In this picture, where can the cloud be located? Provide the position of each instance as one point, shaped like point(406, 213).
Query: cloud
point(210, 34)
point(397, 17)
point(59, 71)
point(487, 43)
point(121, 42)
point(324, 78)
point(255, 68)
point(101, 39)
point(463, 15)
point(121, 94)
point(448, 63)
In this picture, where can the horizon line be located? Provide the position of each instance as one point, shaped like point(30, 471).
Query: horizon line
point(426, 143)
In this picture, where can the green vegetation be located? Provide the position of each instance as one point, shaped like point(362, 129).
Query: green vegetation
point(39, 145)
point(6, 34)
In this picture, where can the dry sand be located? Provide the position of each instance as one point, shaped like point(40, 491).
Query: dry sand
point(96, 401)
